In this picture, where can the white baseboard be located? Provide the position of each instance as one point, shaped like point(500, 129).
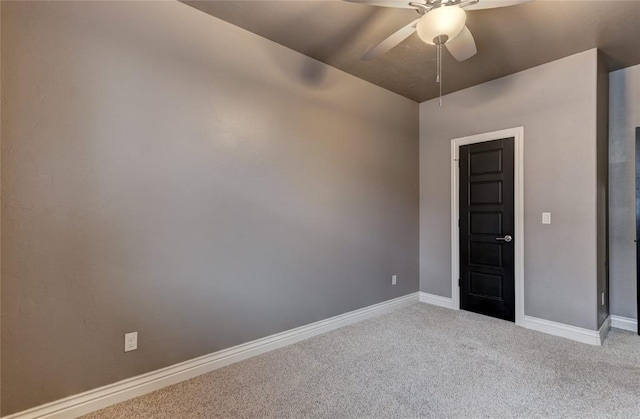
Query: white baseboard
point(591, 337)
point(102, 397)
point(436, 300)
point(624, 323)
point(604, 329)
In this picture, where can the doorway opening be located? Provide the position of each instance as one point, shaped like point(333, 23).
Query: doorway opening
point(487, 224)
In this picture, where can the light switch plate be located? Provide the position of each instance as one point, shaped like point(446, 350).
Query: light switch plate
point(546, 218)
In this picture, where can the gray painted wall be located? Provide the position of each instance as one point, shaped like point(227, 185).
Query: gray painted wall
point(624, 117)
point(166, 172)
point(556, 104)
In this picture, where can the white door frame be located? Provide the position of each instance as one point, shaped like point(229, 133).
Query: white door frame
point(518, 181)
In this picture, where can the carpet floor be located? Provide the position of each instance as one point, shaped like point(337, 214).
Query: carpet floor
point(419, 361)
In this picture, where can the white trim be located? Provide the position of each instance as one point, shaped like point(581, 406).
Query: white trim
point(102, 397)
point(518, 182)
point(436, 300)
point(591, 337)
point(624, 323)
point(579, 334)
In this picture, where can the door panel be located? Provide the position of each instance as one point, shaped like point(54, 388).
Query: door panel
point(486, 217)
point(485, 285)
point(486, 223)
point(485, 254)
point(486, 192)
point(486, 162)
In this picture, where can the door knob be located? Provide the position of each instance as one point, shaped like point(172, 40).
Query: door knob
point(506, 238)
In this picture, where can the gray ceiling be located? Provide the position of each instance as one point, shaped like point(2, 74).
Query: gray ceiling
point(509, 39)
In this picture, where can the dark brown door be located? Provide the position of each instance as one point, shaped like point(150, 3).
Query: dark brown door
point(487, 229)
point(638, 220)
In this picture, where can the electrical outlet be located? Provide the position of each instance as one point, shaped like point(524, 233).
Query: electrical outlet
point(394, 279)
point(603, 303)
point(130, 341)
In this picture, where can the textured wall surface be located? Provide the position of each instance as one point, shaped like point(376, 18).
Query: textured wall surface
point(556, 104)
point(168, 173)
point(624, 117)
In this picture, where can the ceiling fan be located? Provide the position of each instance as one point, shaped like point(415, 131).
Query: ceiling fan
point(441, 22)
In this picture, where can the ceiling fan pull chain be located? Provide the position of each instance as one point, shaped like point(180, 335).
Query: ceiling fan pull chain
point(439, 72)
point(438, 50)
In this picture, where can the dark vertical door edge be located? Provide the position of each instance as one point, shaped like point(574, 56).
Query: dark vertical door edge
point(638, 223)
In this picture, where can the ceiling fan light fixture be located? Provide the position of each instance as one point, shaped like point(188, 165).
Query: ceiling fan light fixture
point(445, 21)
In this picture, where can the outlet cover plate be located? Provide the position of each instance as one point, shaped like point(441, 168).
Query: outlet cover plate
point(130, 341)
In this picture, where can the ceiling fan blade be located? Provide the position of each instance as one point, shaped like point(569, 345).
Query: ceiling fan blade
point(400, 4)
point(491, 4)
point(463, 46)
point(391, 41)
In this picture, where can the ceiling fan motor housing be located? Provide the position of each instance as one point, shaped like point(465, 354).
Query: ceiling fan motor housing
point(441, 24)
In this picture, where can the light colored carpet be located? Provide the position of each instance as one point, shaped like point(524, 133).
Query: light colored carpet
point(419, 361)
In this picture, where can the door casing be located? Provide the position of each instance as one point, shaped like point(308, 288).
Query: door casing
point(518, 239)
